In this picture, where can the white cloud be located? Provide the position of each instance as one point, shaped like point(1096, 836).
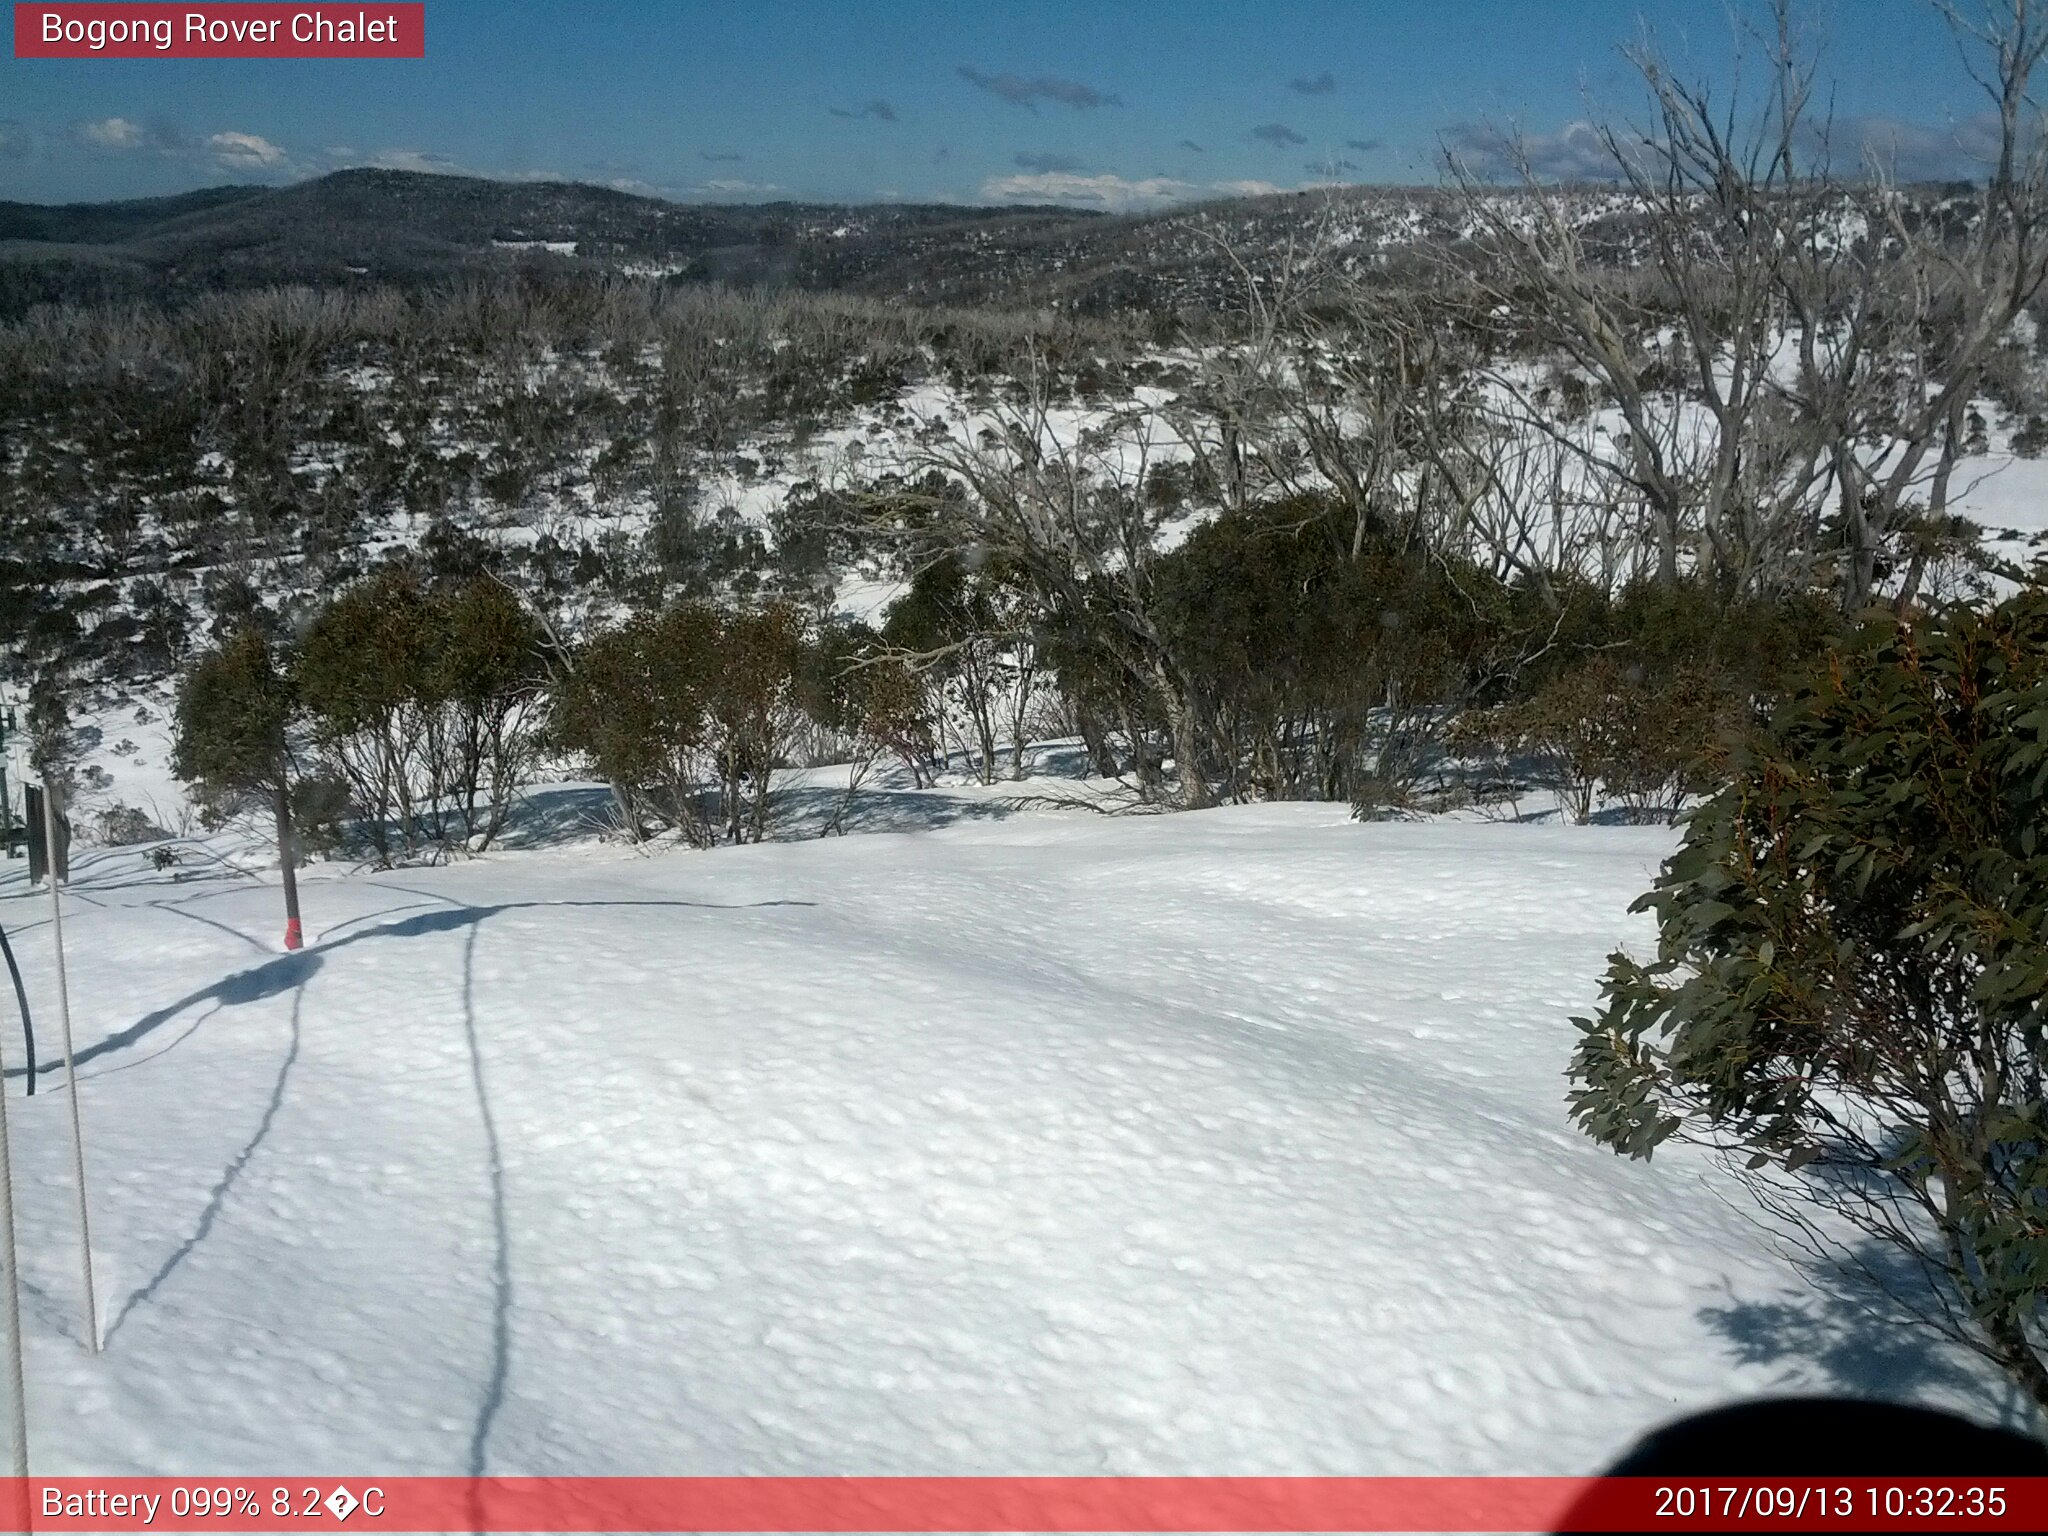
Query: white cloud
point(728, 186)
point(111, 133)
point(1578, 151)
point(1116, 193)
point(246, 152)
point(1910, 151)
point(230, 150)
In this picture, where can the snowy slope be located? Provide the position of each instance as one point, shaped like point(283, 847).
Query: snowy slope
point(1221, 1142)
point(2008, 496)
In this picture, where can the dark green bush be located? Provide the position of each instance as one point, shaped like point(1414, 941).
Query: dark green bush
point(667, 706)
point(425, 702)
point(1851, 979)
point(1627, 700)
point(1326, 670)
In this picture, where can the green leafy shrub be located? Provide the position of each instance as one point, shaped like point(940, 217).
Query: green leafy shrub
point(425, 701)
point(238, 707)
point(1629, 698)
point(235, 713)
point(1614, 729)
point(1326, 666)
point(1851, 982)
point(669, 706)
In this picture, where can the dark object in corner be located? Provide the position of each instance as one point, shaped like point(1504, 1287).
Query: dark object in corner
point(1828, 1437)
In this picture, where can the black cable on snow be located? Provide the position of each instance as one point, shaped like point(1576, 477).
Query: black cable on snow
point(28, 1030)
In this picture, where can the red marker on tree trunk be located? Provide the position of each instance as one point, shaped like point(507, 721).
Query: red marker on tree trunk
point(294, 934)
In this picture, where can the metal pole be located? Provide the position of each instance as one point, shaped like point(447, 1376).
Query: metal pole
point(6, 805)
point(11, 1303)
point(92, 1310)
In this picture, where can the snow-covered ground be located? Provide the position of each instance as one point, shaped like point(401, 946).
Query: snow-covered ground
point(1219, 1142)
point(2008, 496)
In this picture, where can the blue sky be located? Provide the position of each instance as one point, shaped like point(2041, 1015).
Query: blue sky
point(1101, 103)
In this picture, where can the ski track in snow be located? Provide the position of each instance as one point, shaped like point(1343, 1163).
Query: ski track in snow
point(1223, 1142)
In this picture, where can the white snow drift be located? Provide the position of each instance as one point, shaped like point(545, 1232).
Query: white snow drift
point(1230, 1142)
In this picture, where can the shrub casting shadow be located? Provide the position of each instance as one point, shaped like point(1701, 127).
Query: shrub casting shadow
point(1866, 1341)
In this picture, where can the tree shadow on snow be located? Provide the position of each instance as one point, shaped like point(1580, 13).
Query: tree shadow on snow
point(889, 800)
point(1863, 1338)
point(275, 977)
point(290, 973)
point(219, 1195)
point(122, 868)
point(178, 910)
point(501, 1263)
point(543, 818)
point(886, 803)
point(271, 979)
point(810, 811)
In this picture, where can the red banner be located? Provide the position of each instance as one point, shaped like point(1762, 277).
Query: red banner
point(216, 31)
point(1058, 1504)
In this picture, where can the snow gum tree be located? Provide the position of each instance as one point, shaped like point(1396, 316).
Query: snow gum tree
point(634, 705)
point(754, 710)
point(976, 624)
point(1064, 513)
point(488, 675)
point(363, 668)
point(235, 713)
point(1850, 990)
point(425, 701)
point(666, 705)
point(1792, 362)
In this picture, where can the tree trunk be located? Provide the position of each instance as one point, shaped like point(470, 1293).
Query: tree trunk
point(1859, 573)
point(1150, 781)
point(1096, 740)
point(1187, 749)
point(2019, 1360)
point(294, 934)
point(629, 815)
point(1667, 549)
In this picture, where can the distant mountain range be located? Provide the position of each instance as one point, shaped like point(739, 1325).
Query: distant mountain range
point(377, 228)
point(401, 227)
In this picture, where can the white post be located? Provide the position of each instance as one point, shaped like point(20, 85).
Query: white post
point(11, 1303)
point(92, 1310)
